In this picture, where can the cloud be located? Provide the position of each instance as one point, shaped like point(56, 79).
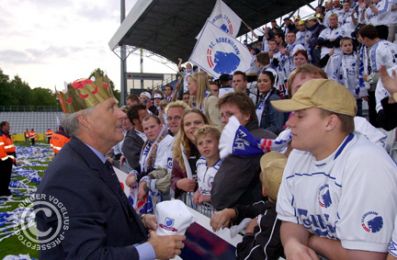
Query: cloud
point(15, 57)
point(49, 3)
point(98, 12)
point(48, 42)
point(32, 55)
point(53, 51)
point(4, 22)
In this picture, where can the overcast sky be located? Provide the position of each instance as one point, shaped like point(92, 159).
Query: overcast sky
point(48, 42)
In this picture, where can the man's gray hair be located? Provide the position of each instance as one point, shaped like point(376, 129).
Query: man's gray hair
point(70, 122)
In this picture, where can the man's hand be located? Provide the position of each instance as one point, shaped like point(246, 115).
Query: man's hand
point(204, 198)
point(166, 247)
point(249, 229)
point(130, 180)
point(150, 222)
point(186, 184)
point(196, 197)
point(222, 218)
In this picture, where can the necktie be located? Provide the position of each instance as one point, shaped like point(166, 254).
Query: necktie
point(117, 189)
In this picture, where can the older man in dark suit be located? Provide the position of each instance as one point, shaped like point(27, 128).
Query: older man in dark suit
point(95, 218)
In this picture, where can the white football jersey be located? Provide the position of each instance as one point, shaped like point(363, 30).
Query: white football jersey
point(382, 53)
point(330, 34)
point(381, 92)
point(384, 7)
point(163, 152)
point(393, 242)
point(350, 196)
point(344, 69)
point(206, 175)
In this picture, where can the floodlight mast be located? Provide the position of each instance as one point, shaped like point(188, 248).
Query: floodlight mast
point(123, 61)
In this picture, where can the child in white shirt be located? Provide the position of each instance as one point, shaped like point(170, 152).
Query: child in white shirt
point(207, 140)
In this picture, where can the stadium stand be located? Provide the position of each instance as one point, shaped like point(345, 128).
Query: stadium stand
point(40, 121)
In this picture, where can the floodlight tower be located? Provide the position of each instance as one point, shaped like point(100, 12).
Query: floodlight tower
point(123, 61)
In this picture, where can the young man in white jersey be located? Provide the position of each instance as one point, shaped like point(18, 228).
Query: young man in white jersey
point(380, 53)
point(345, 19)
point(330, 200)
point(329, 37)
point(287, 58)
point(240, 84)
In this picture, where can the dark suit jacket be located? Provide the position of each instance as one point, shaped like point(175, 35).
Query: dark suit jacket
point(131, 149)
point(102, 225)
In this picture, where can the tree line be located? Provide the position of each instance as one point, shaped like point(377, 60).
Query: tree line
point(16, 92)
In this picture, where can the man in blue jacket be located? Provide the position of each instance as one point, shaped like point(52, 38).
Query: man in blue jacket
point(89, 216)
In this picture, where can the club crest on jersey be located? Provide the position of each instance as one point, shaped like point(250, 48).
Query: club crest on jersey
point(169, 163)
point(372, 222)
point(324, 197)
point(168, 225)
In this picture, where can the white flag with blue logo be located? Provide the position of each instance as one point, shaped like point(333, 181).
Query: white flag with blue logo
point(237, 140)
point(224, 18)
point(217, 52)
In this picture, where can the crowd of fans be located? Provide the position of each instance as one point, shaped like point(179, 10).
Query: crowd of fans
point(171, 136)
point(339, 39)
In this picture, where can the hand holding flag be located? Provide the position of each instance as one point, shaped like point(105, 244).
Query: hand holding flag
point(237, 140)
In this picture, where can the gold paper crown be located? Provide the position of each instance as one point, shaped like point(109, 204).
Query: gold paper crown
point(85, 93)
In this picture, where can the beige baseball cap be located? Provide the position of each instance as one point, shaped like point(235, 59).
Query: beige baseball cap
point(321, 93)
point(272, 166)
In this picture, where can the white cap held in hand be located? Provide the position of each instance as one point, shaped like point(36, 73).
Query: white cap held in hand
point(173, 217)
